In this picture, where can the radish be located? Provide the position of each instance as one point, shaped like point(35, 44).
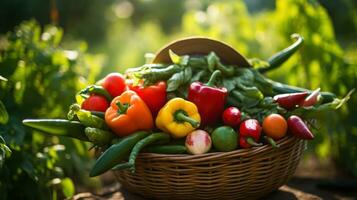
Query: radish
point(198, 142)
point(290, 100)
point(312, 99)
point(249, 133)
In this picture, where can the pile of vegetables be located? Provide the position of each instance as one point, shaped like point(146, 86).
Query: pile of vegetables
point(196, 104)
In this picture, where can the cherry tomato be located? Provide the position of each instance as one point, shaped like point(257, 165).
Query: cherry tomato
point(275, 126)
point(231, 116)
point(114, 83)
point(95, 103)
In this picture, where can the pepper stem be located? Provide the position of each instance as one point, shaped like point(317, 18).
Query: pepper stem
point(73, 109)
point(213, 78)
point(251, 141)
point(122, 107)
point(181, 116)
point(271, 141)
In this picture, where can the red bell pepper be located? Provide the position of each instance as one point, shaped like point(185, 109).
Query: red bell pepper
point(154, 95)
point(209, 99)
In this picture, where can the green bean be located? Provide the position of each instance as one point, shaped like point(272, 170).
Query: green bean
point(116, 153)
point(98, 136)
point(153, 138)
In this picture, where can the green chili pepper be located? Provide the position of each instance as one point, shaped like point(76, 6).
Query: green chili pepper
point(98, 114)
point(153, 138)
point(154, 75)
point(58, 127)
point(86, 117)
point(280, 57)
point(96, 89)
point(116, 153)
point(197, 62)
point(226, 70)
point(98, 136)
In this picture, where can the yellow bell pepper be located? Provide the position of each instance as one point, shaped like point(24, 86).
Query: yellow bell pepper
point(178, 118)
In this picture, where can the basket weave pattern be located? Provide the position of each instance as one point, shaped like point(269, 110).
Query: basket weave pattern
point(240, 174)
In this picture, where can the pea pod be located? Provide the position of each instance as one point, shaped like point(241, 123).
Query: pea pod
point(98, 136)
point(166, 149)
point(116, 153)
point(153, 138)
point(58, 127)
point(86, 117)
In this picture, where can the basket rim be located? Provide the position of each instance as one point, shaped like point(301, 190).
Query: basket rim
point(239, 152)
point(228, 54)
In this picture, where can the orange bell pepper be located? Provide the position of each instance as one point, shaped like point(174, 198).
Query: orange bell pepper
point(127, 114)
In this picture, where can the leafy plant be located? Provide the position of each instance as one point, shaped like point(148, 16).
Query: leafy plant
point(43, 79)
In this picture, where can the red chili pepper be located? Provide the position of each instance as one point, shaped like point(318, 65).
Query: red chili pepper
point(95, 103)
point(154, 95)
point(231, 116)
point(209, 99)
point(298, 128)
point(290, 100)
point(249, 133)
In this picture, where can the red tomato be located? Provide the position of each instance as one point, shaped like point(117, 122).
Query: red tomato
point(95, 103)
point(275, 126)
point(114, 83)
point(231, 116)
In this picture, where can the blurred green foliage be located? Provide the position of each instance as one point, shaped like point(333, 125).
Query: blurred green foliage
point(42, 81)
point(43, 77)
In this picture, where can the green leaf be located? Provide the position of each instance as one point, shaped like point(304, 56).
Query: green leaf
point(179, 60)
point(212, 60)
point(5, 151)
point(174, 57)
point(199, 75)
point(4, 116)
point(179, 79)
point(67, 187)
point(229, 83)
point(3, 78)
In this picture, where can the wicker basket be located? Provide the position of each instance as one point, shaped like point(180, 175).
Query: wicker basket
point(240, 174)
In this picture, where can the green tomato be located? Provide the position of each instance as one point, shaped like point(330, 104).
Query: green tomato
point(224, 138)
